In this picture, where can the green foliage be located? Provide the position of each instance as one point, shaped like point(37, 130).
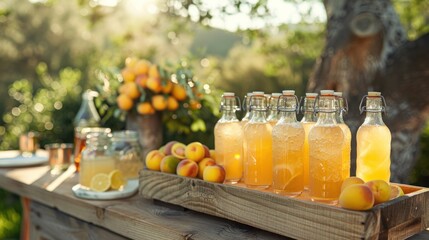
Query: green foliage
point(414, 16)
point(49, 109)
point(10, 215)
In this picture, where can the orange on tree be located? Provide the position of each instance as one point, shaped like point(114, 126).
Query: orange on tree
point(178, 92)
point(141, 67)
point(154, 84)
point(131, 90)
point(153, 71)
point(172, 103)
point(193, 104)
point(141, 80)
point(128, 75)
point(168, 87)
point(159, 102)
point(124, 102)
point(145, 108)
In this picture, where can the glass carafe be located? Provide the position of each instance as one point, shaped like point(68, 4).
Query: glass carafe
point(373, 141)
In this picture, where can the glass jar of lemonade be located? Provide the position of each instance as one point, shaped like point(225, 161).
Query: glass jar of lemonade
point(96, 158)
point(126, 148)
point(308, 121)
point(326, 140)
point(342, 108)
point(258, 165)
point(288, 148)
point(373, 141)
point(229, 139)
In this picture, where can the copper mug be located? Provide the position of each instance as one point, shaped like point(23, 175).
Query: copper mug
point(60, 156)
point(29, 143)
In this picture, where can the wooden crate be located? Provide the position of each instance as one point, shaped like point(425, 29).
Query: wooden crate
point(292, 217)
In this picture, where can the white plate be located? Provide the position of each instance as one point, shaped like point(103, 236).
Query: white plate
point(14, 159)
point(129, 190)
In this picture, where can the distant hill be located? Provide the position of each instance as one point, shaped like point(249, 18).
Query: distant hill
point(211, 41)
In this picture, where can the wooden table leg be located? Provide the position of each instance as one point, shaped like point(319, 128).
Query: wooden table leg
point(25, 223)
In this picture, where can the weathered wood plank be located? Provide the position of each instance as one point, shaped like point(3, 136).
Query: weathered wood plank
point(52, 224)
point(134, 217)
point(292, 217)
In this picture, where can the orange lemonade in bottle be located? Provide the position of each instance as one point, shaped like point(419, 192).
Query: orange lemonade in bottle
point(258, 165)
point(326, 140)
point(308, 121)
point(273, 115)
point(373, 141)
point(341, 109)
point(229, 139)
point(288, 148)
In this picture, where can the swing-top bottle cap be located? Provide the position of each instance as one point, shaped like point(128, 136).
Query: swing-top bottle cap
point(338, 94)
point(374, 94)
point(288, 92)
point(257, 93)
point(326, 92)
point(276, 94)
point(228, 94)
point(249, 94)
point(311, 95)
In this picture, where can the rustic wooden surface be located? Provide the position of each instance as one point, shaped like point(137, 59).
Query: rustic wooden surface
point(292, 217)
point(135, 217)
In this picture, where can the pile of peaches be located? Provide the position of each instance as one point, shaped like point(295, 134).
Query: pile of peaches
point(359, 195)
point(192, 160)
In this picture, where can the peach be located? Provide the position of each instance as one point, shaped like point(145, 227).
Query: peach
point(178, 150)
point(380, 189)
point(212, 154)
point(357, 197)
point(187, 168)
point(168, 147)
point(206, 151)
point(203, 164)
point(395, 191)
point(215, 173)
point(169, 164)
point(195, 151)
point(351, 181)
point(153, 160)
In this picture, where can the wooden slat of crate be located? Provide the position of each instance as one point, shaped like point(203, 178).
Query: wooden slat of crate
point(292, 217)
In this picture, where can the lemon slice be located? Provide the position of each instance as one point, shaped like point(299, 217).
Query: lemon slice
point(116, 179)
point(100, 182)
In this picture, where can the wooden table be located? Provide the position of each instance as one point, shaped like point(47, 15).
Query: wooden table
point(55, 213)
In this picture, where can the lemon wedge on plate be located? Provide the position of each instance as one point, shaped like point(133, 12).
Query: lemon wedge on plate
point(100, 182)
point(117, 179)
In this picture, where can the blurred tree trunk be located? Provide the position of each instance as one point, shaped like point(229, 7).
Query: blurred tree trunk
point(367, 49)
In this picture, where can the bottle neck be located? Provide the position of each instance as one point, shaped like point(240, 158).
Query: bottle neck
point(288, 117)
point(374, 111)
point(309, 115)
point(228, 115)
point(326, 111)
